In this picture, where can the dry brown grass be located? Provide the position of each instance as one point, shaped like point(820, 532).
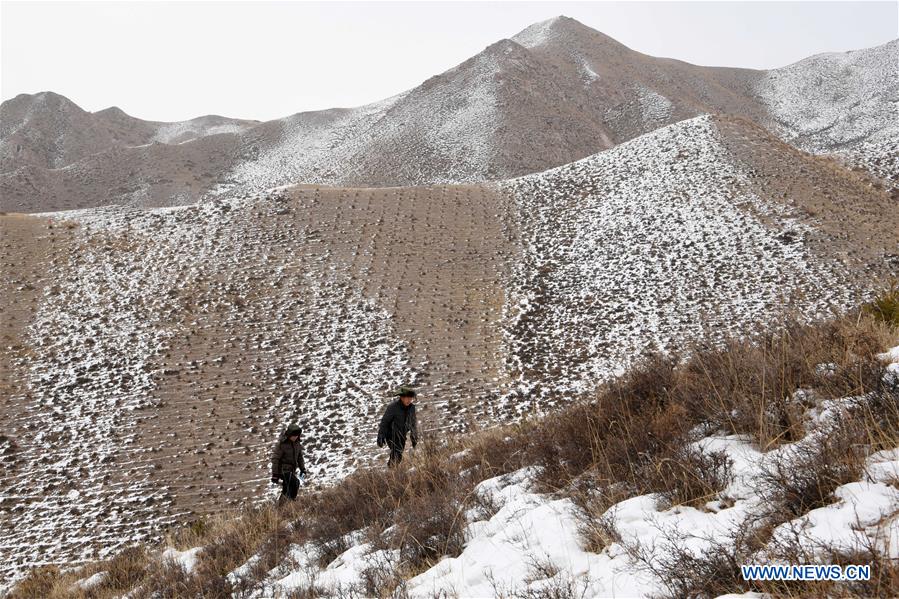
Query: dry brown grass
point(423, 504)
point(632, 438)
point(805, 478)
point(689, 476)
point(749, 387)
point(228, 540)
point(885, 307)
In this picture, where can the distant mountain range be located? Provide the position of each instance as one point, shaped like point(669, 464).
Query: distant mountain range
point(552, 94)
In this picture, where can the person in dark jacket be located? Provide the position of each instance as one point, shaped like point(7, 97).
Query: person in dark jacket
point(398, 422)
point(287, 461)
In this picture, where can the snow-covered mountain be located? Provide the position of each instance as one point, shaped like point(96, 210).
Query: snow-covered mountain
point(552, 94)
point(845, 103)
point(127, 326)
point(507, 236)
point(48, 131)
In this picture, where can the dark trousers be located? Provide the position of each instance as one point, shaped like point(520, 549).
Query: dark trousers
point(290, 485)
point(396, 455)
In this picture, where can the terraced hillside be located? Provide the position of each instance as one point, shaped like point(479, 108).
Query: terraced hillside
point(150, 356)
point(160, 352)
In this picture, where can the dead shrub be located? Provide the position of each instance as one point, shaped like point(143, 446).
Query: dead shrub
point(885, 307)
point(884, 580)
point(166, 579)
point(382, 578)
point(484, 505)
point(562, 586)
point(880, 417)
point(40, 582)
point(749, 386)
point(551, 582)
point(598, 532)
point(596, 517)
point(429, 526)
point(793, 547)
point(689, 476)
point(496, 452)
point(805, 477)
point(424, 502)
point(274, 548)
point(632, 421)
point(126, 569)
point(685, 571)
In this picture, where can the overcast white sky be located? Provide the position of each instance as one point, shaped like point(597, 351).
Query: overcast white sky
point(263, 60)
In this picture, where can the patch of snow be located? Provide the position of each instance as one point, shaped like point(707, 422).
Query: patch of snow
point(90, 582)
point(181, 131)
point(538, 34)
point(890, 356)
point(654, 107)
point(185, 559)
point(587, 73)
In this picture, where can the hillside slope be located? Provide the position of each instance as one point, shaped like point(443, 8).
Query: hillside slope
point(781, 450)
point(845, 103)
point(169, 346)
point(683, 233)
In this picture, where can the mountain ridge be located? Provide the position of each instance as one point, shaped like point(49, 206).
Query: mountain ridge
point(567, 92)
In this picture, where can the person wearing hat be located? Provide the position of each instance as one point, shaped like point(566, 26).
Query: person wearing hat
point(398, 422)
point(287, 460)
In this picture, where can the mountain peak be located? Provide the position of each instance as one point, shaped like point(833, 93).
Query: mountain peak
point(52, 99)
point(542, 32)
point(112, 111)
point(566, 34)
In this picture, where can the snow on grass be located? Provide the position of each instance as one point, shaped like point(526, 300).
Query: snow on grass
point(642, 246)
point(184, 559)
point(844, 102)
point(532, 543)
point(320, 350)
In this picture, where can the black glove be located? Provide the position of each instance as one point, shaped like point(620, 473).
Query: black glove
point(414, 443)
point(380, 441)
point(276, 480)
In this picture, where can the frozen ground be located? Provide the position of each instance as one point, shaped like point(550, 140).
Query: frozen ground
point(531, 546)
point(655, 241)
point(170, 345)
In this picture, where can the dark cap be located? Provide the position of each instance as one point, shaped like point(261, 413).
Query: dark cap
point(404, 391)
point(293, 429)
